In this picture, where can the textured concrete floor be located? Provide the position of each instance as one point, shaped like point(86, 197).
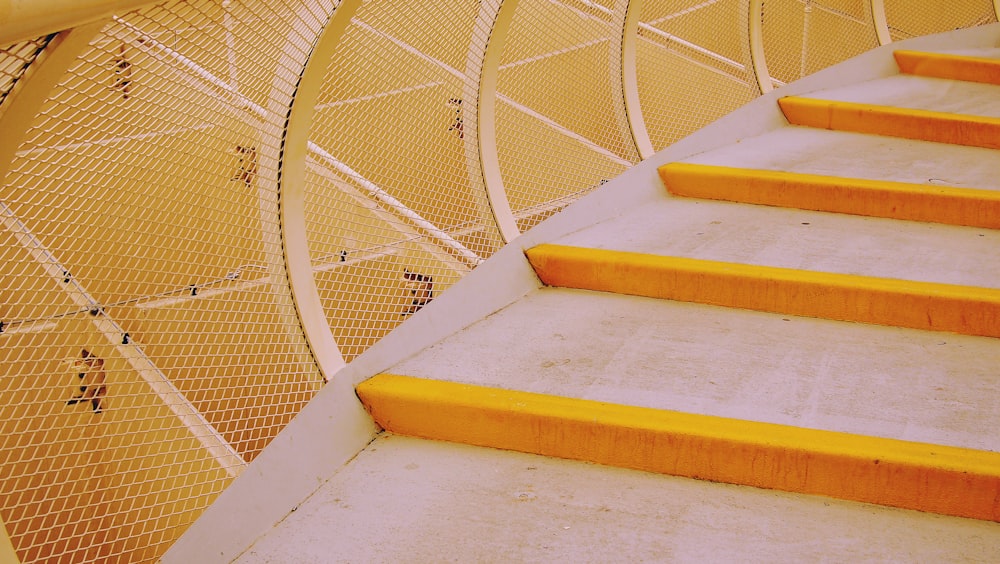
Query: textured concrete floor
point(405, 500)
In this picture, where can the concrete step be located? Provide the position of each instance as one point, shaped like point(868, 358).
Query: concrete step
point(983, 66)
point(885, 301)
point(410, 500)
point(699, 391)
point(937, 97)
point(876, 198)
point(673, 334)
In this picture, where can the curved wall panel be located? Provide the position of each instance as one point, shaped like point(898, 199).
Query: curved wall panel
point(209, 206)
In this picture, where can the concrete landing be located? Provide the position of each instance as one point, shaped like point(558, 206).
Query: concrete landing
point(412, 500)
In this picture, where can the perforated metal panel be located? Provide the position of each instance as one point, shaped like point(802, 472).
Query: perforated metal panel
point(149, 333)
point(798, 35)
point(912, 18)
point(694, 65)
point(15, 59)
point(390, 214)
point(558, 133)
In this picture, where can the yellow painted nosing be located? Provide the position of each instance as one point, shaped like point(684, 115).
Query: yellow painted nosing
point(949, 66)
point(941, 127)
point(845, 297)
point(940, 479)
point(876, 198)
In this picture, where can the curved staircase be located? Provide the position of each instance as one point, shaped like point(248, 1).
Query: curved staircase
point(804, 319)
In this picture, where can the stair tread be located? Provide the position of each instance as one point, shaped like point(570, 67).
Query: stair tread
point(799, 239)
point(919, 93)
point(857, 155)
point(428, 506)
point(845, 377)
point(982, 52)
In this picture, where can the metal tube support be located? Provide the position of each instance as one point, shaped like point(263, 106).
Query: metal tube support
point(629, 76)
point(755, 28)
point(495, 16)
point(881, 24)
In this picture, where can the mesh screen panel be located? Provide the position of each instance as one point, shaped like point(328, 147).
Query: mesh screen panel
point(558, 134)
point(693, 66)
point(797, 35)
point(148, 325)
point(15, 59)
point(391, 218)
point(911, 18)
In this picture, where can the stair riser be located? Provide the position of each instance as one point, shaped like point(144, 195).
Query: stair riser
point(952, 67)
point(922, 125)
point(899, 303)
point(939, 479)
point(873, 198)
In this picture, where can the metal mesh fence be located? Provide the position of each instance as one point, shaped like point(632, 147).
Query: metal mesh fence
point(391, 219)
point(797, 35)
point(149, 338)
point(912, 18)
point(149, 332)
point(693, 65)
point(557, 89)
point(15, 59)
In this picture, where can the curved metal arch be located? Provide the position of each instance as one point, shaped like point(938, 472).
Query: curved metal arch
point(881, 24)
point(291, 193)
point(494, 20)
point(23, 103)
point(626, 56)
point(755, 39)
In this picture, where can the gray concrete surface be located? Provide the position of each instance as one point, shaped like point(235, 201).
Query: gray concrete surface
point(865, 379)
point(788, 238)
point(406, 500)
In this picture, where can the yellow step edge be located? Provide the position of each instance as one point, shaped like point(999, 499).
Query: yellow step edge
point(924, 125)
point(844, 297)
point(875, 198)
point(949, 66)
point(934, 478)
